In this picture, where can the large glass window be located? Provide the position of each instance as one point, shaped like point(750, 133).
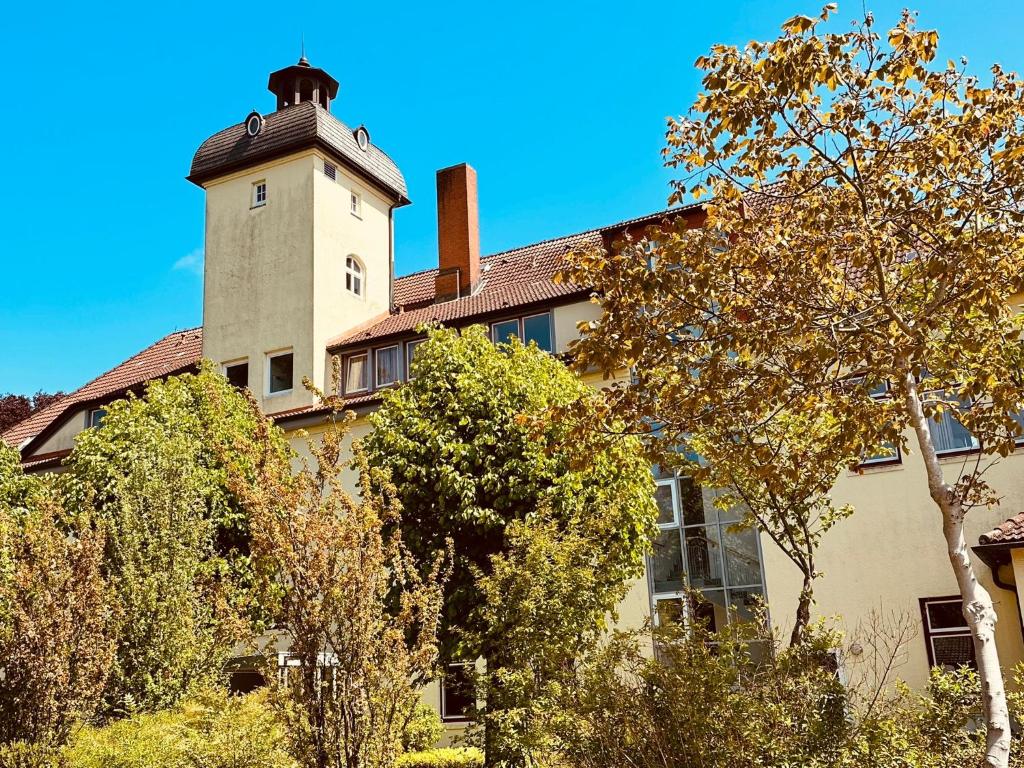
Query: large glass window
point(355, 373)
point(946, 633)
point(537, 328)
point(949, 435)
point(505, 330)
point(699, 548)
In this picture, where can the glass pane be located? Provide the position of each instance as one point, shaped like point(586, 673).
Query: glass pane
point(946, 615)
point(457, 694)
point(238, 375)
point(96, 417)
point(952, 651)
point(733, 514)
point(887, 452)
point(744, 603)
point(502, 331)
point(387, 366)
point(669, 611)
point(710, 610)
point(355, 376)
point(695, 510)
point(742, 564)
point(948, 434)
point(281, 373)
point(538, 329)
point(667, 563)
point(410, 353)
point(666, 503)
point(1019, 418)
point(703, 556)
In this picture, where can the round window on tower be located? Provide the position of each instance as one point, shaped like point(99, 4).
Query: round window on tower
point(254, 124)
point(362, 138)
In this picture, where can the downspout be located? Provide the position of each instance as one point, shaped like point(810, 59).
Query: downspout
point(391, 257)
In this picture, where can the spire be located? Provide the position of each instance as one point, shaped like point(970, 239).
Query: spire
point(303, 61)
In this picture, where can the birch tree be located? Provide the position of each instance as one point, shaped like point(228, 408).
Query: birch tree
point(864, 235)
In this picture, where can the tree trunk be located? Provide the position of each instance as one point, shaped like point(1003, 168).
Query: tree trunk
point(803, 611)
point(978, 609)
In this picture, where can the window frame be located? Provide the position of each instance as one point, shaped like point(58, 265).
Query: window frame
point(942, 453)
point(410, 350)
point(355, 272)
point(355, 204)
point(256, 200)
point(90, 421)
point(445, 717)
point(520, 321)
point(377, 384)
point(930, 634)
point(366, 354)
point(271, 356)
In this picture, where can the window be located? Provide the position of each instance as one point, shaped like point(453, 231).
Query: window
point(95, 417)
point(259, 194)
point(387, 366)
point(458, 696)
point(356, 204)
point(949, 435)
point(238, 374)
point(699, 548)
point(889, 452)
point(410, 353)
point(355, 373)
point(330, 171)
point(280, 373)
point(353, 276)
point(535, 328)
point(946, 633)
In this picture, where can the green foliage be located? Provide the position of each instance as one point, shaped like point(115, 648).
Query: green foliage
point(423, 730)
point(156, 476)
point(55, 622)
point(470, 450)
point(208, 730)
point(24, 754)
point(444, 757)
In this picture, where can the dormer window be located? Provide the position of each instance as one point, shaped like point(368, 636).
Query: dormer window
point(353, 276)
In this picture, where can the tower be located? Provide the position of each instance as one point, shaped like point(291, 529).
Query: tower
point(299, 237)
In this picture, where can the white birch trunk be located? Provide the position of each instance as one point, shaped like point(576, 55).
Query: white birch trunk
point(978, 608)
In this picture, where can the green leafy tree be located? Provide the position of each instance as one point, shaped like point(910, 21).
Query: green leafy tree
point(359, 617)
point(55, 616)
point(865, 229)
point(471, 448)
point(157, 476)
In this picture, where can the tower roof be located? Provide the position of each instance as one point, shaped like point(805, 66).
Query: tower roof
point(289, 130)
point(302, 82)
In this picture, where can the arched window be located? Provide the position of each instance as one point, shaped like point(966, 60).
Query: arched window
point(305, 90)
point(353, 275)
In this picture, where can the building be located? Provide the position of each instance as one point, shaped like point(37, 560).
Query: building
point(300, 217)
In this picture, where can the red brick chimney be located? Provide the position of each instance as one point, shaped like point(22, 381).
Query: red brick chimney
point(458, 233)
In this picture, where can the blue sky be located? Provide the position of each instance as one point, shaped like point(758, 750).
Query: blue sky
point(560, 107)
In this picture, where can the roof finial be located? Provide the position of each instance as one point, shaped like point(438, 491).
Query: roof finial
point(303, 61)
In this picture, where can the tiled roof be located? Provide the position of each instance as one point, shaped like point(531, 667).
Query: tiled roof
point(290, 129)
point(175, 352)
point(1009, 531)
point(509, 279)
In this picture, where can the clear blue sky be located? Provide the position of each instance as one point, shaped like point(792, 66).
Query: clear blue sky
point(559, 107)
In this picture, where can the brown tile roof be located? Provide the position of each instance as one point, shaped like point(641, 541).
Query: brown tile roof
point(288, 130)
point(1010, 531)
point(174, 353)
point(510, 279)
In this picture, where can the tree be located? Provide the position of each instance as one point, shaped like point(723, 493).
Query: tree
point(17, 408)
point(160, 477)
point(865, 231)
point(471, 448)
point(361, 621)
point(55, 616)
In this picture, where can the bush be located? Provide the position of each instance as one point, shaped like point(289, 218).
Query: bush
point(21, 754)
point(212, 730)
point(423, 730)
point(445, 757)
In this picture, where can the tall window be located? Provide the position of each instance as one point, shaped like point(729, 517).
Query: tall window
point(356, 204)
point(259, 194)
point(353, 276)
point(387, 366)
point(355, 373)
point(697, 549)
point(458, 695)
point(279, 377)
point(410, 353)
point(946, 633)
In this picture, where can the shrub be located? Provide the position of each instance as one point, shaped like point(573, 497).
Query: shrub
point(211, 729)
point(423, 730)
point(22, 754)
point(445, 757)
